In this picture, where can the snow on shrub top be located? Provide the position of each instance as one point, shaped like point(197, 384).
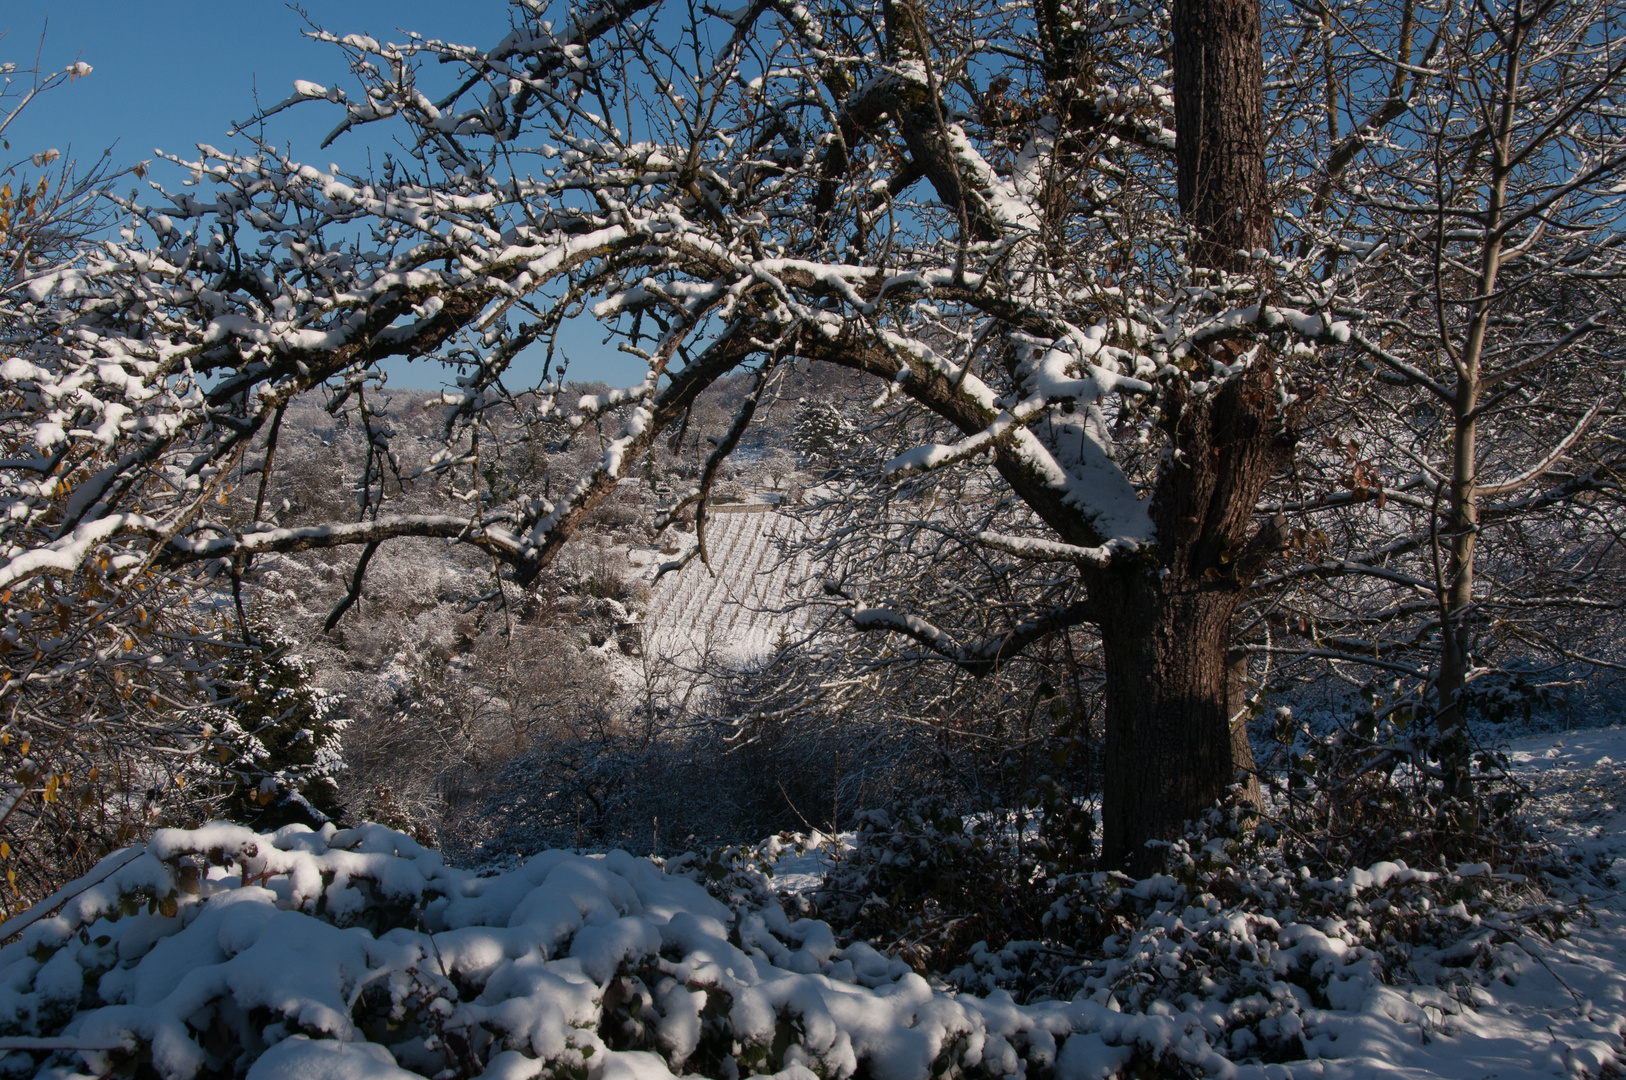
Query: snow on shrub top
point(357, 954)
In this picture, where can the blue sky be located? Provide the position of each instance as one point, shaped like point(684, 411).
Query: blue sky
point(173, 73)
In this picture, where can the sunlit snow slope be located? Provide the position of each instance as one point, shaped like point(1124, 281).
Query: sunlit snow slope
point(741, 606)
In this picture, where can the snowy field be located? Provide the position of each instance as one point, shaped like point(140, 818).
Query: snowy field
point(737, 609)
point(357, 955)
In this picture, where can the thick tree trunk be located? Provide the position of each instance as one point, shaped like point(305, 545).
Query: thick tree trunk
point(1168, 744)
point(1166, 618)
point(1166, 621)
point(1219, 121)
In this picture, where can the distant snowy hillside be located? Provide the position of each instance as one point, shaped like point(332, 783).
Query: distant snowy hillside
point(740, 607)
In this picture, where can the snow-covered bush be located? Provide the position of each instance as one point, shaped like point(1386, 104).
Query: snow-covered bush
point(221, 952)
point(175, 724)
point(1238, 928)
point(933, 885)
point(1366, 789)
point(357, 952)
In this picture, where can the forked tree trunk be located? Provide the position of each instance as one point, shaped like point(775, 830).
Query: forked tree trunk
point(1166, 621)
point(1166, 618)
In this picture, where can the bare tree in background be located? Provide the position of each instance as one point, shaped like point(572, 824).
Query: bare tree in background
point(1461, 509)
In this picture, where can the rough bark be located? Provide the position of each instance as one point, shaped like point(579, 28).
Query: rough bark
point(1219, 109)
point(1166, 621)
point(1168, 749)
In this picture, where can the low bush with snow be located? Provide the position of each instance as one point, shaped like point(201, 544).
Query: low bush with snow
point(1236, 916)
point(359, 955)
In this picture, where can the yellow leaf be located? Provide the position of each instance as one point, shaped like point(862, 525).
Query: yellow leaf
point(5, 850)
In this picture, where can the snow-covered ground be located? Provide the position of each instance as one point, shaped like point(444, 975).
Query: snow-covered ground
point(358, 955)
point(1580, 783)
point(1559, 1007)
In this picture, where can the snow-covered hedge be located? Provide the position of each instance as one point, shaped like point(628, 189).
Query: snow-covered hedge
point(359, 954)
